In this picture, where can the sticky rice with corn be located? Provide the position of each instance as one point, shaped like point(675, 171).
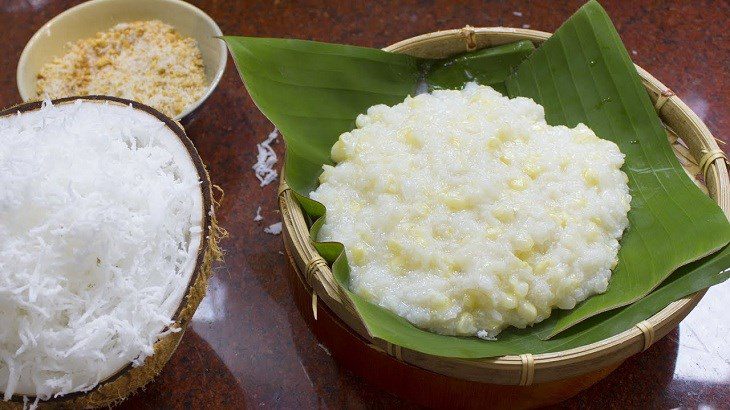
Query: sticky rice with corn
point(465, 212)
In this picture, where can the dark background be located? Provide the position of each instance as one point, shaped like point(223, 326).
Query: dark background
point(248, 346)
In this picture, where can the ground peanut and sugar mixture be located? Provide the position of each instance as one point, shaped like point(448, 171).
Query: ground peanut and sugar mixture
point(145, 61)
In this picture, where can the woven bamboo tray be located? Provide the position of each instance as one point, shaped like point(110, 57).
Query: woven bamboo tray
point(696, 149)
point(126, 381)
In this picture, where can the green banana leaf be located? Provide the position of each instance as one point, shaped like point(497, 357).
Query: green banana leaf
point(313, 92)
point(690, 278)
point(489, 66)
point(584, 74)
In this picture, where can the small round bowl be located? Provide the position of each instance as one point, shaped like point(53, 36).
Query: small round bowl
point(87, 19)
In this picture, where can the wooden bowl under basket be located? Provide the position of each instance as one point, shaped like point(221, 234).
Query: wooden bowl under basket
point(517, 381)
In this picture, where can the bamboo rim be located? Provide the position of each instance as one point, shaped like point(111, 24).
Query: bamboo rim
point(129, 379)
point(690, 139)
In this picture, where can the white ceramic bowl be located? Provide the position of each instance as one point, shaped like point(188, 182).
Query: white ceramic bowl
point(89, 18)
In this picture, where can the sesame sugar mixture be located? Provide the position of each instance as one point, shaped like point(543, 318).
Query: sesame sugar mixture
point(145, 61)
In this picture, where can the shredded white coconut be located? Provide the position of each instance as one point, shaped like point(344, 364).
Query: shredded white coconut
point(517, 13)
point(273, 229)
point(100, 225)
point(27, 405)
point(258, 216)
point(484, 335)
point(525, 26)
point(266, 159)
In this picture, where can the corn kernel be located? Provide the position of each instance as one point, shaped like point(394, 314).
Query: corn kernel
point(470, 301)
point(439, 302)
point(504, 215)
point(394, 246)
point(457, 203)
point(456, 267)
point(391, 187)
point(523, 255)
point(508, 302)
point(564, 162)
point(338, 151)
point(591, 177)
point(518, 184)
point(326, 173)
point(493, 144)
point(355, 206)
point(412, 140)
point(533, 170)
point(465, 324)
point(583, 138)
point(357, 255)
point(528, 311)
point(492, 233)
point(542, 266)
point(504, 135)
point(520, 288)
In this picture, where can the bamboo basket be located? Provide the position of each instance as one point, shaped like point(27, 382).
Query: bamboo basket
point(129, 379)
point(694, 146)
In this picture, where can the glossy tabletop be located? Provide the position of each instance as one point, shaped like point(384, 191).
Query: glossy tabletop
point(248, 346)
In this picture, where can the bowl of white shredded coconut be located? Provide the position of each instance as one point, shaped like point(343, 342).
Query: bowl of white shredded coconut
point(105, 247)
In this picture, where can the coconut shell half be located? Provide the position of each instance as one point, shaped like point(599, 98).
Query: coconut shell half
point(129, 379)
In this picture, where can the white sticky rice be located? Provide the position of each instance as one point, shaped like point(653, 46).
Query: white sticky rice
point(465, 213)
point(100, 226)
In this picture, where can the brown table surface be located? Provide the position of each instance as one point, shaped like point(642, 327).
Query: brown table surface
point(248, 346)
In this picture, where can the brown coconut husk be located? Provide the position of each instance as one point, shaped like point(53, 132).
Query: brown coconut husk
point(127, 381)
